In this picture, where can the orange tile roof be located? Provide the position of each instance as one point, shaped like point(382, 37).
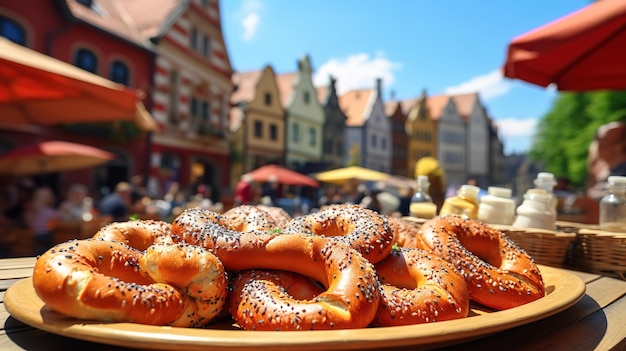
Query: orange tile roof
point(353, 104)
point(129, 19)
point(391, 107)
point(465, 104)
point(285, 83)
point(246, 83)
point(436, 104)
point(408, 104)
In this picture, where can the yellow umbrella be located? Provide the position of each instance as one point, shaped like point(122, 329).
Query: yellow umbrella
point(427, 166)
point(343, 175)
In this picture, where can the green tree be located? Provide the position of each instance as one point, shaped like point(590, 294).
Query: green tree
point(563, 135)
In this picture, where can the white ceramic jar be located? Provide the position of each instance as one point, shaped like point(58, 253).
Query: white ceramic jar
point(497, 207)
point(535, 211)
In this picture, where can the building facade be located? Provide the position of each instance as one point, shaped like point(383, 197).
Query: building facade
point(90, 35)
point(192, 87)
point(368, 130)
point(257, 122)
point(304, 116)
point(334, 129)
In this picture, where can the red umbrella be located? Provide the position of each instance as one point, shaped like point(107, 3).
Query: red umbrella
point(41, 90)
point(281, 175)
point(52, 156)
point(583, 51)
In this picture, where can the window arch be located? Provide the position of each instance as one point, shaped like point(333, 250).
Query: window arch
point(119, 72)
point(86, 60)
point(12, 30)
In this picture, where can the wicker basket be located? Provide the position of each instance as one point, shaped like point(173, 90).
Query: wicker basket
point(547, 247)
point(599, 252)
point(574, 227)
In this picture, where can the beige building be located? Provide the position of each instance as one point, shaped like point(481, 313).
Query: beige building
point(257, 122)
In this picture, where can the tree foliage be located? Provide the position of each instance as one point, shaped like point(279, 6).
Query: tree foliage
point(563, 135)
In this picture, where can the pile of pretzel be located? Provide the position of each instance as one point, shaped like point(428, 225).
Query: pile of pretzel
point(339, 268)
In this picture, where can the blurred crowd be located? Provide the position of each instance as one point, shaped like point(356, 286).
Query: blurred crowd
point(25, 204)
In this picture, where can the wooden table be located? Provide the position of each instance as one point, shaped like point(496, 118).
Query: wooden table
point(597, 321)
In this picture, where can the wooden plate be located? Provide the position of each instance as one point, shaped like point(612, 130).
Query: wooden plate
point(563, 289)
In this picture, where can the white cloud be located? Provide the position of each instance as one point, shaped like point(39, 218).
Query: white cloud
point(511, 127)
point(358, 71)
point(250, 24)
point(516, 133)
point(249, 17)
point(488, 86)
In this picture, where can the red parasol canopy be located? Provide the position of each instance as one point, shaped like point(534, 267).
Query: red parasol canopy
point(580, 52)
point(36, 89)
point(51, 156)
point(281, 175)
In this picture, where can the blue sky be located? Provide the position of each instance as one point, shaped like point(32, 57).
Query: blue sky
point(442, 46)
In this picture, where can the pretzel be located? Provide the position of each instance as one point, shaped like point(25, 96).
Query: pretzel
point(352, 288)
point(93, 279)
point(418, 287)
point(499, 273)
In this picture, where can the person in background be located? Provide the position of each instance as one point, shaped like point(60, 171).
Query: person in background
point(73, 208)
point(24, 194)
point(39, 217)
point(272, 191)
point(118, 203)
point(388, 202)
point(405, 195)
point(371, 201)
point(606, 157)
point(244, 194)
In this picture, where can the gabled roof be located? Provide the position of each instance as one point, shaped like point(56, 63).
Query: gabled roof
point(391, 107)
point(408, 104)
point(436, 104)
point(285, 86)
point(246, 83)
point(134, 20)
point(465, 104)
point(354, 104)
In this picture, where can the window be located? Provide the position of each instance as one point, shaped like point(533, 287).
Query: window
point(119, 72)
point(268, 99)
point(383, 141)
point(206, 48)
point(374, 141)
point(312, 136)
point(307, 97)
point(205, 110)
point(193, 106)
point(193, 38)
point(172, 103)
point(12, 31)
point(86, 60)
point(339, 148)
point(273, 132)
point(258, 129)
point(296, 133)
point(328, 146)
